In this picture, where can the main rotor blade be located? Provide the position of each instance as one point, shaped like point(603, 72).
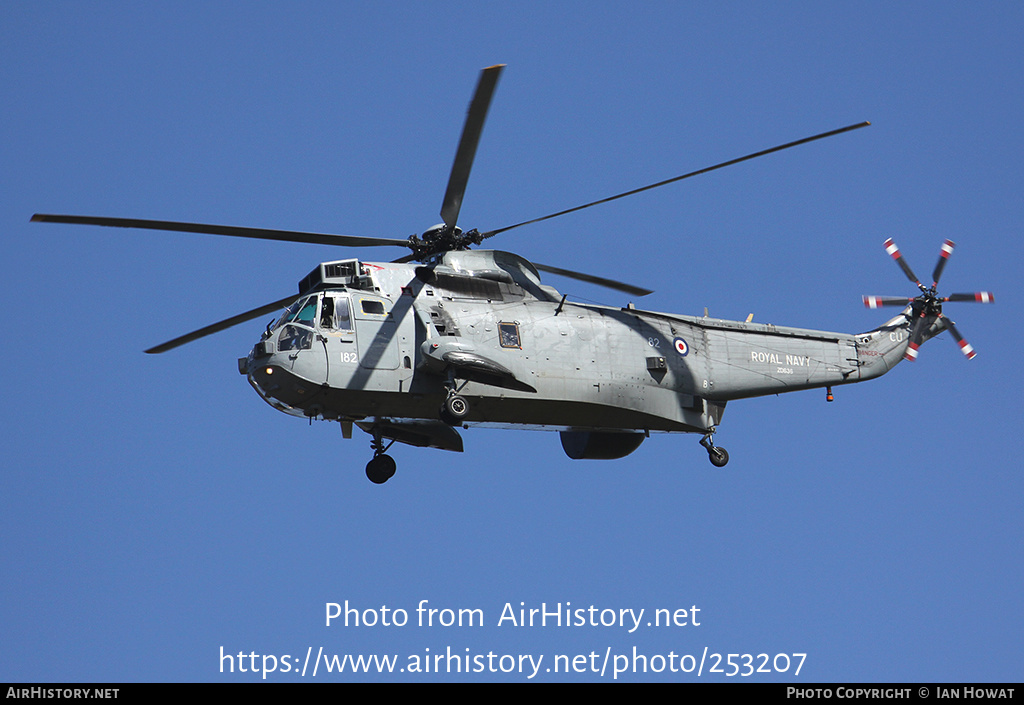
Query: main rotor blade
point(491, 233)
point(223, 325)
point(944, 253)
point(600, 281)
point(466, 152)
point(230, 230)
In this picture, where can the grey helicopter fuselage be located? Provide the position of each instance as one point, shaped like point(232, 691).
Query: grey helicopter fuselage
point(381, 345)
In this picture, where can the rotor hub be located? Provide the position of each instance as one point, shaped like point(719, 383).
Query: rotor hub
point(928, 303)
point(440, 239)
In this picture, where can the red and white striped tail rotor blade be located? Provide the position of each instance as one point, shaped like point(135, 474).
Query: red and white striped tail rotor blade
point(980, 297)
point(879, 301)
point(915, 339)
point(965, 347)
point(895, 253)
point(944, 253)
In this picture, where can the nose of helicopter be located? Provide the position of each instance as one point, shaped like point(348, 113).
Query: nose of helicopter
point(260, 372)
point(277, 384)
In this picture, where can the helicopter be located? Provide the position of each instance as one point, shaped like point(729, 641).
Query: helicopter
point(449, 337)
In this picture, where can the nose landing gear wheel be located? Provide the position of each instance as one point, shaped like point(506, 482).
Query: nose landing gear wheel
point(381, 468)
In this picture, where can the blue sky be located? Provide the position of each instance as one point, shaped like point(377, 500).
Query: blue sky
point(154, 510)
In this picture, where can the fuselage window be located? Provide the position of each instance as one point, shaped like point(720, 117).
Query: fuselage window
point(373, 307)
point(508, 335)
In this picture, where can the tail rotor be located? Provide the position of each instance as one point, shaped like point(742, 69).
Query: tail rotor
point(926, 309)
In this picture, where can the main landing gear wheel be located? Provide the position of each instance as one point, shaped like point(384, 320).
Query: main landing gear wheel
point(716, 454)
point(380, 469)
point(454, 410)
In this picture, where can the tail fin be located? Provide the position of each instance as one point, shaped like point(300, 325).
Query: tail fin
point(881, 349)
point(897, 339)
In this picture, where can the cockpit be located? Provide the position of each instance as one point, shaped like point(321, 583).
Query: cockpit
point(294, 350)
point(329, 312)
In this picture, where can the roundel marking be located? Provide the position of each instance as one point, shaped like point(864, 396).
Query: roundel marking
point(681, 347)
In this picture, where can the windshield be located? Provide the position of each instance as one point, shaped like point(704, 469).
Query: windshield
point(302, 311)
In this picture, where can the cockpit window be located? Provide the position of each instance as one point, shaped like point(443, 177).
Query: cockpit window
point(307, 313)
point(289, 313)
point(335, 313)
point(295, 338)
point(302, 311)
